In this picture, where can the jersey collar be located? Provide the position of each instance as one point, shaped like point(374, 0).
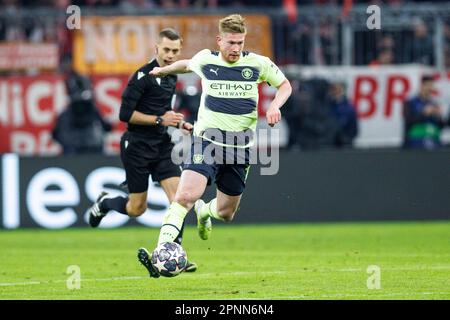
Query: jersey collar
point(154, 61)
point(232, 63)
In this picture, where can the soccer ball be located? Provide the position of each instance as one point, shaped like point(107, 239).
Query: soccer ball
point(169, 259)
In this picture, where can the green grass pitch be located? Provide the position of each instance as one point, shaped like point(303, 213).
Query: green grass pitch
point(296, 261)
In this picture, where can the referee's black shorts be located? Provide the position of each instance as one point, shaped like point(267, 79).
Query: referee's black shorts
point(143, 156)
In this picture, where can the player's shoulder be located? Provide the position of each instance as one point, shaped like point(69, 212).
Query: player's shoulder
point(248, 55)
point(210, 52)
point(204, 57)
point(257, 60)
point(206, 54)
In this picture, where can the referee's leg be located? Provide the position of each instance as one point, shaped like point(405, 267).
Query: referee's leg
point(170, 186)
point(137, 204)
point(137, 173)
point(133, 205)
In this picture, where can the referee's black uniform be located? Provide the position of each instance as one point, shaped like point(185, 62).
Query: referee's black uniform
point(146, 149)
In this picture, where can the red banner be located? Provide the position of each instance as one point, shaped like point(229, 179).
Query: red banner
point(378, 94)
point(120, 44)
point(29, 107)
point(24, 56)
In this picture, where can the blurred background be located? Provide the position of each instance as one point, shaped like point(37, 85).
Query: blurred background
point(365, 134)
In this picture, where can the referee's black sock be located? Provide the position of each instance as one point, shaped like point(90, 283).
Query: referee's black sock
point(118, 204)
point(179, 238)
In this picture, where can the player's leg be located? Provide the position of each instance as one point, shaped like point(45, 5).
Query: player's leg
point(191, 187)
point(170, 186)
point(226, 206)
point(222, 207)
point(196, 175)
point(230, 182)
point(167, 173)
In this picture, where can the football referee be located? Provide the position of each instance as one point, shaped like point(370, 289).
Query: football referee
point(146, 145)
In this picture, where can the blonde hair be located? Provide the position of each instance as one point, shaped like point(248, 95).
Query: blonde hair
point(232, 24)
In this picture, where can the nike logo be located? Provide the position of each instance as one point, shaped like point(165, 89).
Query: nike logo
point(140, 75)
point(214, 71)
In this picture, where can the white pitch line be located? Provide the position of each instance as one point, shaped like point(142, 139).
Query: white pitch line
point(239, 273)
point(63, 281)
point(339, 295)
point(384, 254)
point(374, 295)
point(19, 283)
point(395, 269)
point(312, 269)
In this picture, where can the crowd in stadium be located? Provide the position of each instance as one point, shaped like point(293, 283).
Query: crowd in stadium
point(15, 4)
point(333, 121)
point(409, 45)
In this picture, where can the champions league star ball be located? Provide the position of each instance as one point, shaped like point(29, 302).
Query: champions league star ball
point(169, 259)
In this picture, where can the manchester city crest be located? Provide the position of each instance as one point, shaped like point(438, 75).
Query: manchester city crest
point(247, 73)
point(197, 158)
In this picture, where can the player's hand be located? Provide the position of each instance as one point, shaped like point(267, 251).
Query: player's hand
point(273, 116)
point(171, 118)
point(186, 127)
point(157, 72)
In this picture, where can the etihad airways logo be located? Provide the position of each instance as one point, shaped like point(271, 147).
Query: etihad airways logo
point(231, 86)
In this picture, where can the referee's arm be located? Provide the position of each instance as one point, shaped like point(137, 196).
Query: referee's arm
point(130, 97)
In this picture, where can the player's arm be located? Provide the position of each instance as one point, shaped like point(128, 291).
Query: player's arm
point(273, 114)
point(180, 66)
point(170, 118)
point(130, 98)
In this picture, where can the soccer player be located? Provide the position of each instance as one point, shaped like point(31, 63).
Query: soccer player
point(146, 146)
point(230, 79)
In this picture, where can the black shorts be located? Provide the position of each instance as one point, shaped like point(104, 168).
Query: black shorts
point(228, 167)
point(143, 156)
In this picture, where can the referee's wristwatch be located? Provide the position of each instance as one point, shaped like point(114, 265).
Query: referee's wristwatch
point(159, 121)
